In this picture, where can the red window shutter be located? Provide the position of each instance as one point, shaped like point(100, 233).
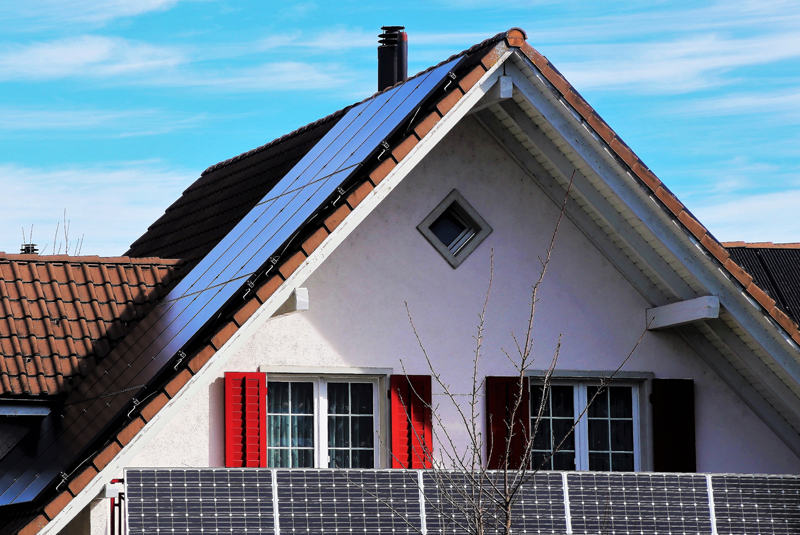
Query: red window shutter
point(245, 419)
point(412, 440)
point(501, 393)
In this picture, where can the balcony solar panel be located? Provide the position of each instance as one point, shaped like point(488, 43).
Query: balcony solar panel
point(756, 504)
point(348, 501)
point(199, 502)
point(539, 506)
point(607, 502)
point(110, 387)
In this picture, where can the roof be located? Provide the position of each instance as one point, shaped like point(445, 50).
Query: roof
point(775, 268)
point(62, 314)
point(110, 444)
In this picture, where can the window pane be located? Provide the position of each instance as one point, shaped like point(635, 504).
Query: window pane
point(362, 431)
point(538, 459)
point(541, 440)
point(338, 432)
point(564, 460)
point(303, 458)
point(621, 402)
point(622, 435)
point(302, 398)
point(361, 398)
point(278, 458)
point(338, 398)
point(303, 431)
point(622, 462)
point(536, 401)
point(278, 431)
point(562, 428)
point(448, 227)
point(277, 397)
point(363, 459)
point(599, 408)
point(563, 401)
point(598, 435)
point(599, 461)
point(339, 459)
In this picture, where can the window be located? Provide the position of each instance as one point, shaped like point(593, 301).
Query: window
point(454, 228)
point(322, 422)
point(606, 437)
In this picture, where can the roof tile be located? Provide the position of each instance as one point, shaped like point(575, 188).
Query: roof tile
point(79, 483)
point(200, 358)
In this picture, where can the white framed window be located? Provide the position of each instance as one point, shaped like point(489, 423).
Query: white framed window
point(322, 422)
point(606, 438)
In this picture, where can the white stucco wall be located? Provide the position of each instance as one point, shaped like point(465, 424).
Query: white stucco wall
point(358, 318)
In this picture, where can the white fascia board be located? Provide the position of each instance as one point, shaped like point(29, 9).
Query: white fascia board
point(214, 366)
point(683, 312)
point(663, 226)
point(502, 90)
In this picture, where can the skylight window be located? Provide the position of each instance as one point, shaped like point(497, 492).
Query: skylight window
point(454, 228)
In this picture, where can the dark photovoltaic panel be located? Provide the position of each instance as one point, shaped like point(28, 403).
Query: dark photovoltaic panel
point(348, 501)
point(539, 507)
point(199, 502)
point(152, 344)
point(756, 504)
point(603, 502)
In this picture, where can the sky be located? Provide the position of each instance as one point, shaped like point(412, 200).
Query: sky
point(109, 109)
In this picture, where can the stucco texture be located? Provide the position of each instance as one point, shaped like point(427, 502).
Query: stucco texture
point(358, 318)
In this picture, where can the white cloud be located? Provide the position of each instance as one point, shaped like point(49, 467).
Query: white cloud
point(121, 123)
point(784, 105)
point(677, 66)
point(85, 56)
point(93, 11)
point(111, 205)
point(761, 217)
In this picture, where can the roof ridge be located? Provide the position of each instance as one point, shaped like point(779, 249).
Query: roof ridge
point(761, 245)
point(89, 259)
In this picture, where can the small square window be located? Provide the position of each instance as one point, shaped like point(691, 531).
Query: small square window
point(454, 228)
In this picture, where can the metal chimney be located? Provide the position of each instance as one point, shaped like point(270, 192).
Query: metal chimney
point(392, 56)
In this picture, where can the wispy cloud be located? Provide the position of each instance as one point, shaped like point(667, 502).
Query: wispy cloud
point(761, 217)
point(71, 11)
point(110, 204)
point(677, 66)
point(122, 123)
point(784, 105)
point(86, 56)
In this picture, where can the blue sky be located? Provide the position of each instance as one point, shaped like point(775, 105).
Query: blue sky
point(110, 108)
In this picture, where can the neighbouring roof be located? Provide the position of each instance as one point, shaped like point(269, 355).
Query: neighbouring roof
point(61, 314)
point(775, 267)
point(181, 224)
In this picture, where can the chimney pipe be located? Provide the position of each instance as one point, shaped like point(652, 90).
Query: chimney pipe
point(392, 56)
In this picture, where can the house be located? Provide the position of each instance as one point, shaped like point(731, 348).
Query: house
point(299, 264)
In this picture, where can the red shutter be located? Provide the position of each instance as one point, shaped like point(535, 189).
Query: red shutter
point(501, 393)
point(412, 440)
point(245, 419)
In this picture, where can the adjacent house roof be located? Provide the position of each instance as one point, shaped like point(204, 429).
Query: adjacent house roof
point(775, 267)
point(181, 232)
point(61, 314)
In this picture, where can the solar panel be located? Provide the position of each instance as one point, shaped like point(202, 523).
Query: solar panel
point(452, 498)
point(756, 504)
point(348, 501)
point(199, 502)
point(110, 387)
point(609, 502)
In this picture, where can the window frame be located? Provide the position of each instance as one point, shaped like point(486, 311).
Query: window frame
point(466, 212)
point(320, 393)
point(581, 399)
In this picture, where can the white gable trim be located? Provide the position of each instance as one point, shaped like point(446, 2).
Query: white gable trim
point(213, 367)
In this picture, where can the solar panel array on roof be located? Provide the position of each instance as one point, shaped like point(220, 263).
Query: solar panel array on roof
point(109, 389)
point(777, 271)
point(243, 500)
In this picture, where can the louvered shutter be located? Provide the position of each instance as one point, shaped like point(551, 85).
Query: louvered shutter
point(412, 441)
point(673, 425)
point(245, 419)
point(501, 393)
